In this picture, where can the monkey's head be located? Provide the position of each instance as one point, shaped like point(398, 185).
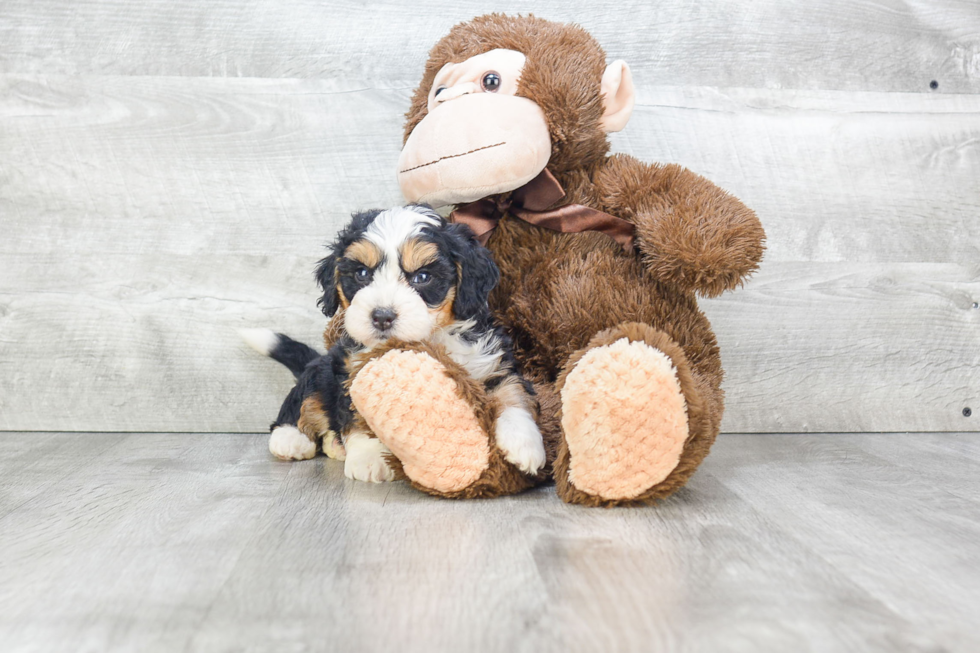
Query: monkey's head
point(502, 98)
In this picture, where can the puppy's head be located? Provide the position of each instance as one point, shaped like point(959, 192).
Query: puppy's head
point(404, 272)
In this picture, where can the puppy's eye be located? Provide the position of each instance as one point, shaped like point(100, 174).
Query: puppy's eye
point(421, 278)
point(362, 274)
point(440, 90)
point(491, 82)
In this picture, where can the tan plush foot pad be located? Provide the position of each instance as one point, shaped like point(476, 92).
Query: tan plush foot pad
point(414, 408)
point(625, 419)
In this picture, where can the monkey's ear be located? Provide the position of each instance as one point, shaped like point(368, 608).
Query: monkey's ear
point(618, 96)
point(478, 275)
point(326, 277)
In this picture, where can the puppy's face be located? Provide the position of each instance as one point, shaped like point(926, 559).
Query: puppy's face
point(404, 272)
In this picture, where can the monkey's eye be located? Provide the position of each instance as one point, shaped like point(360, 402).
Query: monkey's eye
point(491, 82)
point(421, 278)
point(362, 274)
point(440, 90)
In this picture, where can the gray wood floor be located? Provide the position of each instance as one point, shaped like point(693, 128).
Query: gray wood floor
point(142, 542)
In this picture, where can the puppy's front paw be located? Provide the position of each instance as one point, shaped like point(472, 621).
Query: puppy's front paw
point(365, 460)
point(333, 447)
point(289, 443)
point(520, 440)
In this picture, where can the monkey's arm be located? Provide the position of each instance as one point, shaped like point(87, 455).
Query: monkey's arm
point(688, 231)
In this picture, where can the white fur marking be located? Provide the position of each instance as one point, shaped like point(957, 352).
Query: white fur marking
point(393, 227)
point(481, 358)
point(414, 322)
point(388, 288)
point(365, 459)
point(288, 443)
point(520, 440)
point(263, 341)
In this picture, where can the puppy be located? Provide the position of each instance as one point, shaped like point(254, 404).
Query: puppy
point(408, 274)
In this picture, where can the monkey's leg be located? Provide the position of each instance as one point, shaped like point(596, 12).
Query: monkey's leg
point(436, 420)
point(632, 419)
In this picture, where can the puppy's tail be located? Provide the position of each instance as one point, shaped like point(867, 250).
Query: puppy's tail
point(277, 346)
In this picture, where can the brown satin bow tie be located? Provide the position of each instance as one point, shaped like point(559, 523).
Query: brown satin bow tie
point(530, 203)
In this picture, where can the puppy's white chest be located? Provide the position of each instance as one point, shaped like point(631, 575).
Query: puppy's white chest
point(481, 358)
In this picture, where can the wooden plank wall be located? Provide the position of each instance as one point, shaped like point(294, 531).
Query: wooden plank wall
point(170, 170)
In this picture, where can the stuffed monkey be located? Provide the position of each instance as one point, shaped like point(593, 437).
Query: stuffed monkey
point(601, 260)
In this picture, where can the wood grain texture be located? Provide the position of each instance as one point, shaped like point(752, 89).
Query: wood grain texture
point(860, 347)
point(145, 218)
point(858, 177)
point(858, 45)
point(205, 543)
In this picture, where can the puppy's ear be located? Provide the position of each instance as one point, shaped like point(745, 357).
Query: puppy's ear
point(326, 271)
point(478, 274)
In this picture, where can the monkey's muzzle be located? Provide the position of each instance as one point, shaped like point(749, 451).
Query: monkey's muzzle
point(446, 161)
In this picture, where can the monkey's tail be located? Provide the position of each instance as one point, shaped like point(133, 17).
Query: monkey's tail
point(280, 347)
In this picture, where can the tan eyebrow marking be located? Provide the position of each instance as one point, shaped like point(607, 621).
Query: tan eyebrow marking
point(415, 253)
point(364, 252)
point(444, 311)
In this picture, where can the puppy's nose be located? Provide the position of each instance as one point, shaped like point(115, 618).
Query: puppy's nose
point(383, 318)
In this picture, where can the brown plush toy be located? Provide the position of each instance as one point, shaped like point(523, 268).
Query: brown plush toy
point(601, 258)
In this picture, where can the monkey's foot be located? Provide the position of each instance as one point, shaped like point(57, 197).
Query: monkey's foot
point(426, 424)
point(436, 421)
point(624, 418)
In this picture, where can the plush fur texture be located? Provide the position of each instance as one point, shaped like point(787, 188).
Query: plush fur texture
point(700, 431)
point(628, 435)
point(441, 428)
point(562, 295)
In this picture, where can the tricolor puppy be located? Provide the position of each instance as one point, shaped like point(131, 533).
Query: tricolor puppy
point(404, 273)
